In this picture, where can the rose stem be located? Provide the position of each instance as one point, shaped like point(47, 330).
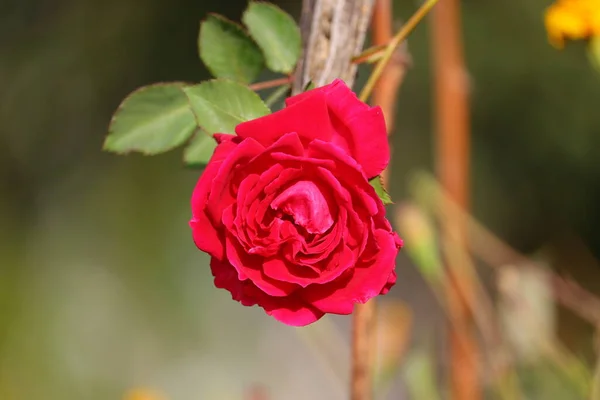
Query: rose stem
point(270, 84)
point(406, 29)
point(453, 146)
point(386, 89)
point(384, 95)
point(372, 54)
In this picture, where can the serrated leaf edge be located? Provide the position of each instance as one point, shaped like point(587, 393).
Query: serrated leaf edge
point(239, 26)
point(220, 109)
point(121, 107)
point(294, 22)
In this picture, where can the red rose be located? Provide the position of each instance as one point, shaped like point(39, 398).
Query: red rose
point(287, 213)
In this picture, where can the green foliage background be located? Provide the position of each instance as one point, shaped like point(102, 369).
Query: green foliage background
point(101, 287)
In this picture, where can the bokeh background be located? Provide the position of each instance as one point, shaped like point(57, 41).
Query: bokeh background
point(101, 287)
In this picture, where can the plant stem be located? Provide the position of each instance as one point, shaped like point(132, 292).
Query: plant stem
point(363, 323)
point(270, 84)
point(406, 29)
point(453, 155)
point(370, 55)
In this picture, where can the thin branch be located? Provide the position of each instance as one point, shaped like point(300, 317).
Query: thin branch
point(452, 159)
point(270, 84)
point(332, 32)
point(370, 55)
point(375, 53)
point(393, 44)
point(363, 324)
point(384, 95)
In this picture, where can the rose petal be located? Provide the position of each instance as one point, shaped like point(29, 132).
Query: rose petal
point(359, 284)
point(226, 137)
point(305, 161)
point(282, 270)
point(289, 310)
point(310, 120)
point(349, 172)
point(359, 129)
point(206, 237)
point(249, 267)
point(339, 262)
point(368, 141)
point(235, 219)
point(226, 278)
point(220, 195)
point(307, 205)
point(309, 93)
point(356, 232)
point(390, 283)
point(288, 143)
point(292, 311)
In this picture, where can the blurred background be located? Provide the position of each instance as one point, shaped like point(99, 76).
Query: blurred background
point(102, 290)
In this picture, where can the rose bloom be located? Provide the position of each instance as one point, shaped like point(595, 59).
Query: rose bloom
point(287, 213)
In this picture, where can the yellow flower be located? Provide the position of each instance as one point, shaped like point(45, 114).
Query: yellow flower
point(572, 20)
point(142, 394)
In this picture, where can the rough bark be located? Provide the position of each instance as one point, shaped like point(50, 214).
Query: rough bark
point(333, 31)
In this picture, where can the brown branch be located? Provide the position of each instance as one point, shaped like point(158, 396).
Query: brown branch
point(270, 84)
point(371, 54)
point(453, 142)
point(386, 89)
point(391, 47)
point(363, 325)
point(384, 95)
point(364, 314)
point(333, 31)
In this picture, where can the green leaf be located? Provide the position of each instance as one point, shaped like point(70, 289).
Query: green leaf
point(220, 105)
point(151, 120)
point(276, 33)
point(228, 51)
point(380, 190)
point(200, 149)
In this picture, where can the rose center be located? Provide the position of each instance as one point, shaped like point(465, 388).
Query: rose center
point(306, 205)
